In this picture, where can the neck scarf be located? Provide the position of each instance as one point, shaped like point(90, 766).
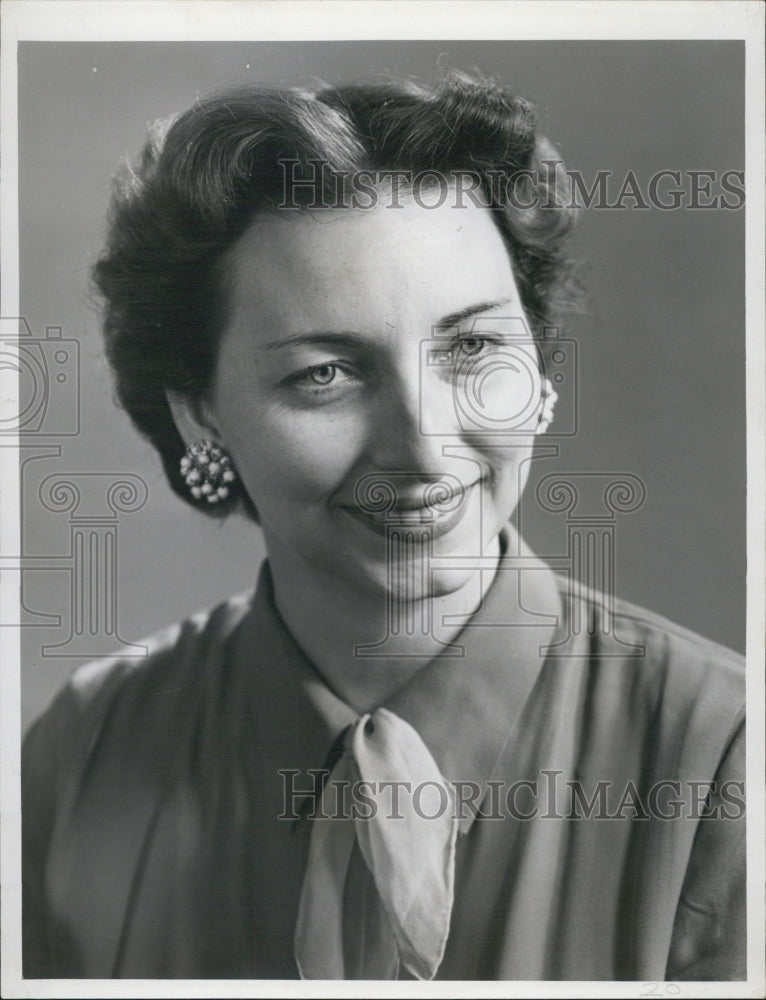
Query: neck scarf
point(379, 883)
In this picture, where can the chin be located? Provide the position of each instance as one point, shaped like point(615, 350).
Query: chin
point(414, 577)
point(413, 585)
point(449, 581)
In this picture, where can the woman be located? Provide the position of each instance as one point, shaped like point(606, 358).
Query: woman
point(396, 758)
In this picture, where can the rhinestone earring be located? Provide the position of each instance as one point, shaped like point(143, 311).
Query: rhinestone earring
point(548, 397)
point(208, 472)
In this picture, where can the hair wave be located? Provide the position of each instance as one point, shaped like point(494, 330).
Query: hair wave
point(206, 173)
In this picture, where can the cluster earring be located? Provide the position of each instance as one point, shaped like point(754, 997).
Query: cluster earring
point(548, 398)
point(208, 472)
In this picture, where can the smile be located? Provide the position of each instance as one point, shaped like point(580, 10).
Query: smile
point(438, 517)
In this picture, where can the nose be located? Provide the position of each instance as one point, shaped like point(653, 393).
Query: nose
point(414, 419)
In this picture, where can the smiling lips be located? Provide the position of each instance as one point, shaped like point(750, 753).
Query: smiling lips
point(441, 515)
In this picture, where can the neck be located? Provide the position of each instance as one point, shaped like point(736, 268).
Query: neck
point(331, 619)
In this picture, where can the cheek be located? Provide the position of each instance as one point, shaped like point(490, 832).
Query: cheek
point(500, 394)
point(523, 469)
point(508, 467)
point(291, 457)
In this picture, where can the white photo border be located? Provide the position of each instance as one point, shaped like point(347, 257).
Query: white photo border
point(265, 20)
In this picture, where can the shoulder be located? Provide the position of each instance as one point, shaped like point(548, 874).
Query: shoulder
point(674, 648)
point(155, 687)
point(675, 687)
point(652, 641)
point(681, 642)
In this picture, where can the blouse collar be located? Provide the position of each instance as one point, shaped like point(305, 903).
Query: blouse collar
point(464, 707)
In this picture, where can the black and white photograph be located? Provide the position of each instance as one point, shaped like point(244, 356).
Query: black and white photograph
point(382, 551)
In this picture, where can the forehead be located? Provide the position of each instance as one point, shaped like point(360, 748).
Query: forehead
point(298, 269)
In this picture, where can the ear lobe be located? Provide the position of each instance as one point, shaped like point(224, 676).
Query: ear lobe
point(193, 419)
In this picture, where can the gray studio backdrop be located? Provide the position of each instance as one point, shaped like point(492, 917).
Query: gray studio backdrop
point(109, 555)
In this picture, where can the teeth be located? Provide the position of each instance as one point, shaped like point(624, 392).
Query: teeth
point(420, 515)
point(408, 515)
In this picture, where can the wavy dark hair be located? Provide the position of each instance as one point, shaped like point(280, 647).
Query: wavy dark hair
point(205, 174)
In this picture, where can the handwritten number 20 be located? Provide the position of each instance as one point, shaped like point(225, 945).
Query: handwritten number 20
point(661, 990)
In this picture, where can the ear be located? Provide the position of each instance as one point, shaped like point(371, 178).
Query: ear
point(194, 419)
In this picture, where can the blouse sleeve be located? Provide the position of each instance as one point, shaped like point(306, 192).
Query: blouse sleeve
point(38, 789)
point(710, 932)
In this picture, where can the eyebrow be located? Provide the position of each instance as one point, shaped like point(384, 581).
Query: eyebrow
point(341, 337)
point(348, 338)
point(455, 318)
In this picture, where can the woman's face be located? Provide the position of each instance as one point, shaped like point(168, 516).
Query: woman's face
point(365, 345)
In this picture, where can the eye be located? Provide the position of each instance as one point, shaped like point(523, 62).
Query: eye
point(332, 380)
point(322, 374)
point(472, 345)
